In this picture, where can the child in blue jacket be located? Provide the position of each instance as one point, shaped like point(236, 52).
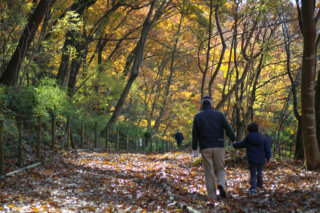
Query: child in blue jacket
point(258, 152)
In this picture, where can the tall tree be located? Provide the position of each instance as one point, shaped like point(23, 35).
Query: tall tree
point(72, 39)
point(172, 69)
point(311, 150)
point(137, 54)
point(10, 74)
point(299, 153)
point(223, 50)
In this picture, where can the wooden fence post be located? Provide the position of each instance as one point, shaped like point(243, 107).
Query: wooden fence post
point(20, 145)
point(157, 146)
point(291, 149)
point(144, 144)
point(127, 141)
point(82, 134)
point(68, 132)
point(53, 129)
point(1, 149)
point(108, 137)
point(38, 136)
point(95, 134)
point(118, 135)
point(151, 140)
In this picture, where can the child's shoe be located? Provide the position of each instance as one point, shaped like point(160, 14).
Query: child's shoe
point(253, 191)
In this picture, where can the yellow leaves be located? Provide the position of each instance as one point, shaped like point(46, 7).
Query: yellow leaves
point(122, 182)
point(89, 208)
point(11, 206)
point(197, 160)
point(121, 118)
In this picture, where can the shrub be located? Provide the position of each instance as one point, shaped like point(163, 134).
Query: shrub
point(23, 101)
point(51, 98)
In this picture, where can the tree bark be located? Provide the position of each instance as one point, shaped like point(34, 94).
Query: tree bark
point(162, 111)
point(299, 152)
point(311, 149)
point(11, 73)
point(72, 39)
point(138, 58)
point(224, 47)
point(317, 109)
point(205, 71)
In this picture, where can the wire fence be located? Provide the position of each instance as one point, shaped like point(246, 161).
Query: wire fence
point(27, 142)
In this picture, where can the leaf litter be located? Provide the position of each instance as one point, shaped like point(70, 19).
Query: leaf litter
point(89, 181)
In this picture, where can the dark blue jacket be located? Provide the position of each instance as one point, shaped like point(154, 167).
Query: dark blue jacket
point(208, 129)
point(179, 137)
point(258, 150)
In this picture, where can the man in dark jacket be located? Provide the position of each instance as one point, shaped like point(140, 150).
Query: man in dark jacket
point(208, 130)
point(179, 138)
point(258, 152)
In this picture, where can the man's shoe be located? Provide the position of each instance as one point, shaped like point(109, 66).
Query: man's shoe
point(211, 200)
point(223, 193)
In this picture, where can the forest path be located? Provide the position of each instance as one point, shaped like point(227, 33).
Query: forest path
point(169, 182)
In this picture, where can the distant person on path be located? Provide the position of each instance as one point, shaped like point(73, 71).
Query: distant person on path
point(258, 153)
point(179, 138)
point(208, 130)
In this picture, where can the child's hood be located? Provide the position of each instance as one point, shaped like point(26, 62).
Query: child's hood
point(255, 138)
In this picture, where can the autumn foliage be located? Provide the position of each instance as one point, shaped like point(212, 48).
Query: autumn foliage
point(169, 182)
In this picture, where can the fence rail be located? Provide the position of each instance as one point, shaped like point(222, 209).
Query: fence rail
point(75, 134)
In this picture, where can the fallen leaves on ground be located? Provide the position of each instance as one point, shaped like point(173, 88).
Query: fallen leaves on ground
point(170, 182)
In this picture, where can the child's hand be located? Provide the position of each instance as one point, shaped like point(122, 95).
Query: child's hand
point(233, 143)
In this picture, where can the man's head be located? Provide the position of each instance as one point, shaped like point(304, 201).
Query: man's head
point(206, 101)
point(253, 127)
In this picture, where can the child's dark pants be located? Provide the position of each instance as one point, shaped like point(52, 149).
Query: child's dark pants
point(256, 179)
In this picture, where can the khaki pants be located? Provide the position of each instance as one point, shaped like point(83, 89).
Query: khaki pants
point(213, 165)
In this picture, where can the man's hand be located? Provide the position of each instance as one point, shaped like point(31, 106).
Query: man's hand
point(195, 153)
point(267, 163)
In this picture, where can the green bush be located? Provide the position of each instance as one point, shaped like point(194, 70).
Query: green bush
point(23, 101)
point(51, 98)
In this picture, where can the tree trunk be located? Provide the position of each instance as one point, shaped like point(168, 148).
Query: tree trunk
point(158, 88)
point(65, 58)
point(72, 39)
point(311, 149)
point(317, 108)
point(317, 95)
point(138, 58)
point(224, 47)
point(74, 70)
point(10, 74)
point(205, 71)
point(158, 121)
point(299, 152)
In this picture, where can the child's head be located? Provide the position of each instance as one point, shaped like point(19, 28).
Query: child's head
point(253, 127)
